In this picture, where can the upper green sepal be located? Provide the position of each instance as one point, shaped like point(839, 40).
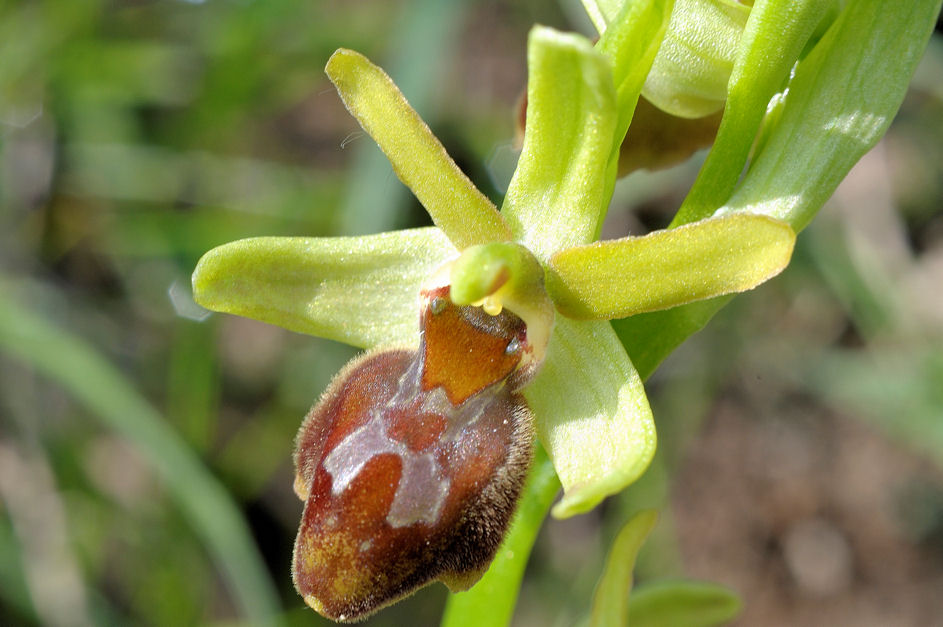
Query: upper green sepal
point(358, 290)
point(418, 157)
point(716, 256)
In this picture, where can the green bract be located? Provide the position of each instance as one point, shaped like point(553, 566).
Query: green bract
point(838, 102)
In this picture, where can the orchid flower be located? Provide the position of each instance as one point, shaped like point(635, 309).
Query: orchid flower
point(538, 256)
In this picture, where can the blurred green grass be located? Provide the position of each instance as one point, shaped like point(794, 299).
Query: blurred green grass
point(134, 136)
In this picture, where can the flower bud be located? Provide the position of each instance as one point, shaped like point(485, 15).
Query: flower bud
point(412, 463)
point(690, 73)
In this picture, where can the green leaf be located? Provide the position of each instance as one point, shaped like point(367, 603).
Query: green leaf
point(620, 278)
point(592, 414)
point(680, 603)
point(490, 603)
point(76, 366)
point(418, 158)
point(611, 599)
point(775, 34)
point(358, 290)
point(690, 74)
point(841, 100)
point(558, 194)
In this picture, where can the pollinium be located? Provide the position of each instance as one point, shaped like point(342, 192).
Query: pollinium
point(412, 463)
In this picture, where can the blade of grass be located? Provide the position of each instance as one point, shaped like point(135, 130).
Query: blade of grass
point(611, 599)
point(14, 592)
point(76, 366)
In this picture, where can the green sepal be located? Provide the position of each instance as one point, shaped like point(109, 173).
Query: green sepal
point(690, 74)
point(592, 415)
point(418, 158)
point(611, 599)
point(621, 278)
point(558, 194)
point(358, 290)
point(682, 603)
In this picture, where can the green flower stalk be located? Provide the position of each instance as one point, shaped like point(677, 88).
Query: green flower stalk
point(530, 291)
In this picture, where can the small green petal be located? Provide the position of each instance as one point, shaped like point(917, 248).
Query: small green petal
point(611, 599)
point(418, 158)
point(559, 192)
point(689, 76)
point(592, 414)
point(679, 602)
point(620, 278)
point(358, 290)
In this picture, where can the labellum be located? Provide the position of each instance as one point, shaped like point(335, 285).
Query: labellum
point(412, 462)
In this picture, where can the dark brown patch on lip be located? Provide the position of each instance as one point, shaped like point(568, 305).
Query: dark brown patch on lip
point(465, 349)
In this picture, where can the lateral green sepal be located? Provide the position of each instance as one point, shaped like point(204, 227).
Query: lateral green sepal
point(358, 290)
